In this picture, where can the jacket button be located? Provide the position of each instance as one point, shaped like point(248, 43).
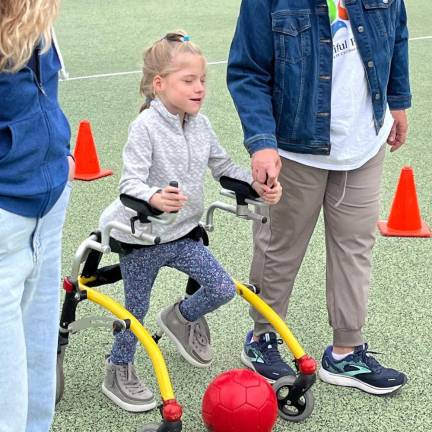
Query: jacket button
point(370, 64)
point(360, 29)
point(377, 96)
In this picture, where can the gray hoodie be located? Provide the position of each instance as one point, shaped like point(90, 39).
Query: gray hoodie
point(160, 150)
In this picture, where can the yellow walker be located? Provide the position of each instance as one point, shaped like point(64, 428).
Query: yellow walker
point(295, 400)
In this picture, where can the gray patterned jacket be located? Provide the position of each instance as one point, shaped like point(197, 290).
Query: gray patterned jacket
point(160, 150)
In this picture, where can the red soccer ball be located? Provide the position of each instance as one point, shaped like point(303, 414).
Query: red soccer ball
point(239, 400)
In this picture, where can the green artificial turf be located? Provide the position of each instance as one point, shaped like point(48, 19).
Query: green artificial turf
point(100, 37)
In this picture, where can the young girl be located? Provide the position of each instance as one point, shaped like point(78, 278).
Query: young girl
point(169, 141)
point(34, 167)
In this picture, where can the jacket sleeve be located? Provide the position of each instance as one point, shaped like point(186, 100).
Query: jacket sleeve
point(250, 74)
point(221, 164)
point(137, 160)
point(398, 89)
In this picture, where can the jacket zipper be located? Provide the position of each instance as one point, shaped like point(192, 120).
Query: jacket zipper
point(188, 150)
point(38, 77)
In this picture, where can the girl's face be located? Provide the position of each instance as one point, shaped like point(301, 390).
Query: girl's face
point(183, 90)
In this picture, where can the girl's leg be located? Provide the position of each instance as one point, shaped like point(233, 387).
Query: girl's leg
point(16, 264)
point(139, 270)
point(217, 287)
point(40, 310)
point(184, 322)
point(121, 384)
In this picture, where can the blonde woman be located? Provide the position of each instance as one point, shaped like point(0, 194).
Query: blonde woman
point(34, 169)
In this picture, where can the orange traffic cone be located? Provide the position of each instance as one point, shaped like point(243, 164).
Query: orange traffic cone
point(86, 159)
point(405, 219)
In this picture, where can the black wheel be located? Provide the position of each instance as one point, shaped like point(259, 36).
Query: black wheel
point(293, 411)
point(60, 374)
point(151, 427)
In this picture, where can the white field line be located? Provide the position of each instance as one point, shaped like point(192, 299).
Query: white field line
point(114, 74)
point(123, 73)
point(420, 38)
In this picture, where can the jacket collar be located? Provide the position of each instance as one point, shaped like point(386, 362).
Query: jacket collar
point(173, 119)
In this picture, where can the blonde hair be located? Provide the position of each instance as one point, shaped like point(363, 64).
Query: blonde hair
point(158, 60)
point(23, 23)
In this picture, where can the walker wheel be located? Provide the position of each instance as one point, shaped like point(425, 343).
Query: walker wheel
point(293, 411)
point(60, 374)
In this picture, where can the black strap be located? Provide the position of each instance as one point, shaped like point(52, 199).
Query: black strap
point(196, 234)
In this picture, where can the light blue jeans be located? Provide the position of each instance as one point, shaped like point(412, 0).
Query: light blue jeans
point(30, 257)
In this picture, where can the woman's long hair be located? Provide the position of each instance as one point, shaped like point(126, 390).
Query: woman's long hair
point(23, 23)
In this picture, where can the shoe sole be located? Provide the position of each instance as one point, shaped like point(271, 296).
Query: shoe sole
point(245, 360)
point(126, 406)
point(179, 346)
point(345, 381)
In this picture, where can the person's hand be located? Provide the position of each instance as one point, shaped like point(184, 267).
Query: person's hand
point(399, 130)
point(270, 195)
point(266, 165)
point(169, 199)
point(71, 163)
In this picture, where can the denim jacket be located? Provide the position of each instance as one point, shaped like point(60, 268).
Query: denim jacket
point(280, 68)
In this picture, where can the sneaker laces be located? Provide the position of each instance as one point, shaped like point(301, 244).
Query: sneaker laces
point(129, 377)
point(197, 335)
point(366, 356)
point(270, 351)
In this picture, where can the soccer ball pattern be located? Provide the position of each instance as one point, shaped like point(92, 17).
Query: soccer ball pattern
point(239, 400)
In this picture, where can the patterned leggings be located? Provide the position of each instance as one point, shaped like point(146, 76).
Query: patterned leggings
point(139, 270)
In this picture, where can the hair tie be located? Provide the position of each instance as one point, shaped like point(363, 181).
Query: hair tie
point(185, 38)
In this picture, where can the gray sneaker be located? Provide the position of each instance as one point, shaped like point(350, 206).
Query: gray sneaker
point(192, 338)
point(125, 389)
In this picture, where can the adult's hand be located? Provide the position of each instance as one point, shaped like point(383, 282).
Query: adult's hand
point(266, 165)
point(399, 130)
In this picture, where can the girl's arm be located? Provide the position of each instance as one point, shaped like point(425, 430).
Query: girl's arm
point(137, 160)
point(221, 164)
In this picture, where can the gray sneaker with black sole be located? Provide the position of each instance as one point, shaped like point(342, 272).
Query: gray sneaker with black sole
point(125, 389)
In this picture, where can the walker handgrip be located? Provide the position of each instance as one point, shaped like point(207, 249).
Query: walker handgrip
point(174, 183)
point(143, 208)
point(241, 189)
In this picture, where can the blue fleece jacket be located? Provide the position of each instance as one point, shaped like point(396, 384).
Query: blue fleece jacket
point(34, 137)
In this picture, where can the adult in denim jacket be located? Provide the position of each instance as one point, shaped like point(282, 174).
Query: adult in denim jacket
point(34, 168)
point(320, 86)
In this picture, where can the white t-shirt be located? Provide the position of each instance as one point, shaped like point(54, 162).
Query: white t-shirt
point(352, 131)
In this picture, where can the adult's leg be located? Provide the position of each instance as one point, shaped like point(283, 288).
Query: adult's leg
point(280, 244)
point(350, 235)
point(16, 263)
point(40, 310)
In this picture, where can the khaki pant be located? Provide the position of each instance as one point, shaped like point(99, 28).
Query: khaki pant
point(350, 201)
